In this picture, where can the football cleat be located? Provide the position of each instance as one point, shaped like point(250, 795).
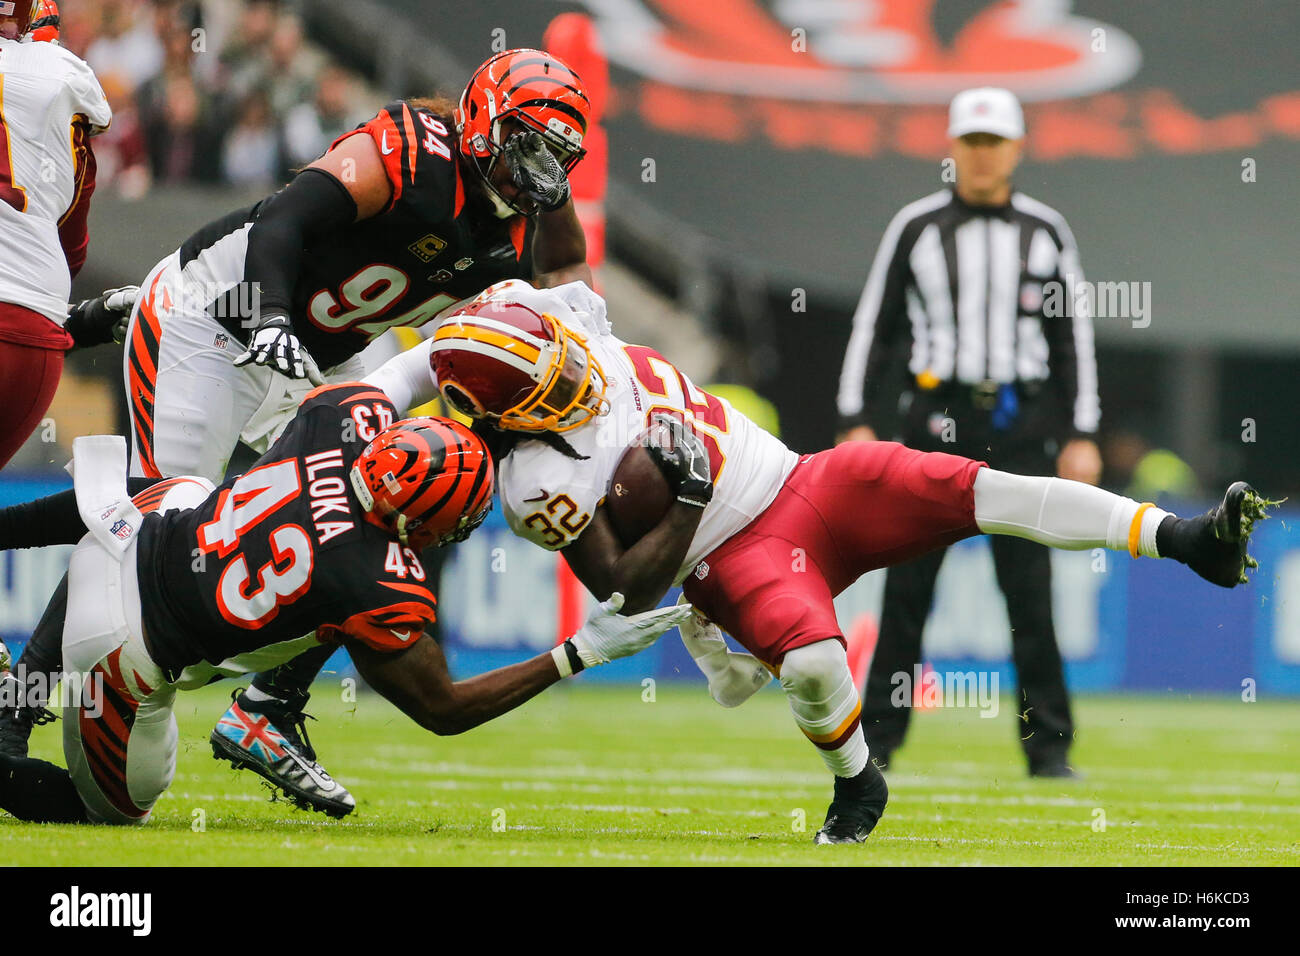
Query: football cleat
point(17, 717)
point(1053, 767)
point(857, 807)
point(1218, 538)
point(269, 737)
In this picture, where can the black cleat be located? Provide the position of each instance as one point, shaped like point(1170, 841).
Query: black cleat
point(858, 804)
point(1215, 542)
point(1055, 767)
point(17, 718)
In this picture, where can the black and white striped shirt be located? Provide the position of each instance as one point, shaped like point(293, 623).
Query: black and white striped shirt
point(963, 287)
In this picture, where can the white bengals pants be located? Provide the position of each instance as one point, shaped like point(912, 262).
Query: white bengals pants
point(189, 404)
point(120, 737)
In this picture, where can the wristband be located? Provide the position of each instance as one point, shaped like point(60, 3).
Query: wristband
point(561, 657)
point(567, 660)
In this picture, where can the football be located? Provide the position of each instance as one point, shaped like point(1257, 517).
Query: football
point(639, 495)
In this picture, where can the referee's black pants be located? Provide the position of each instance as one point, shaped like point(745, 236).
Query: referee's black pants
point(1024, 575)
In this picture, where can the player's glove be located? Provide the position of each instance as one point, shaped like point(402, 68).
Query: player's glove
point(536, 171)
point(682, 458)
point(608, 635)
point(733, 677)
point(102, 319)
point(274, 344)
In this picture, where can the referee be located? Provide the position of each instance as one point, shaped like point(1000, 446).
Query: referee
point(956, 293)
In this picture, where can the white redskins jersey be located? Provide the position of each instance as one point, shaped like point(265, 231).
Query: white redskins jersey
point(548, 497)
point(43, 90)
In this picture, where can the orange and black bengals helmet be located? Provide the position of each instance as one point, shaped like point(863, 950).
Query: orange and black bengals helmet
point(45, 26)
point(533, 88)
point(427, 480)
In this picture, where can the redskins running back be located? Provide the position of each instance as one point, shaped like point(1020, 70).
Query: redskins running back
point(561, 398)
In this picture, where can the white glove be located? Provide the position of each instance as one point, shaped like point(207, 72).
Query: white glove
point(121, 302)
point(608, 635)
point(733, 678)
point(102, 318)
point(274, 344)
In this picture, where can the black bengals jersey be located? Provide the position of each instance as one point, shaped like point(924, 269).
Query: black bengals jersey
point(284, 549)
point(429, 249)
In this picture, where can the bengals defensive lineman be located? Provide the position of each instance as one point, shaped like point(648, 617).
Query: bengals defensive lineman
point(320, 538)
point(51, 105)
point(760, 539)
point(414, 211)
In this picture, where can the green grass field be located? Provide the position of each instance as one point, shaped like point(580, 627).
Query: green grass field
point(593, 775)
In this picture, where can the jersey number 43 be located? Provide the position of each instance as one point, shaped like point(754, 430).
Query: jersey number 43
point(251, 599)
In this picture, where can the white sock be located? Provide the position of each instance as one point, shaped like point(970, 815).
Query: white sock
point(257, 695)
point(825, 705)
point(1063, 514)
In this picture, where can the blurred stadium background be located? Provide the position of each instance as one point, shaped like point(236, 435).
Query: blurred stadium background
point(736, 200)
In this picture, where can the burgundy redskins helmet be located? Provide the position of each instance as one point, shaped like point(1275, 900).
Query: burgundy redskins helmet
point(532, 88)
point(429, 481)
point(16, 17)
point(520, 369)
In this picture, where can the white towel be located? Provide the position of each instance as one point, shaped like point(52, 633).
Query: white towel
point(98, 470)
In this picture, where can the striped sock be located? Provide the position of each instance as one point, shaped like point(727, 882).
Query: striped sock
point(825, 705)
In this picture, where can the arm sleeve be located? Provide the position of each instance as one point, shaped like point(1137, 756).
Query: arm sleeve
point(1072, 355)
point(388, 629)
point(393, 130)
point(313, 203)
point(875, 325)
point(74, 229)
point(407, 378)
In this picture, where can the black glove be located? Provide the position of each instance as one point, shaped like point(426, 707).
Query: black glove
point(273, 343)
point(536, 171)
point(682, 458)
point(102, 319)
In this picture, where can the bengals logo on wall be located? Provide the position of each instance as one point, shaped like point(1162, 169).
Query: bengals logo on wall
point(886, 51)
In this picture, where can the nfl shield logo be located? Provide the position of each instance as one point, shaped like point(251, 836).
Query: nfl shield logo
point(702, 570)
point(122, 529)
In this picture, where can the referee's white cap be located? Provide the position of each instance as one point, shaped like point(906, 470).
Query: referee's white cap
point(986, 109)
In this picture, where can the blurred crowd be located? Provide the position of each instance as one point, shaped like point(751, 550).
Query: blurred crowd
point(209, 91)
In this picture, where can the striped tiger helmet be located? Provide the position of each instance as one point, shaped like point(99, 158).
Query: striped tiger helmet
point(520, 369)
point(533, 88)
point(429, 481)
point(45, 26)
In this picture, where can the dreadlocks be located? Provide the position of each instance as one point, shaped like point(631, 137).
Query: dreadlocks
point(501, 443)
